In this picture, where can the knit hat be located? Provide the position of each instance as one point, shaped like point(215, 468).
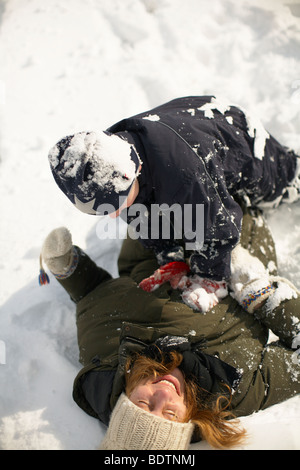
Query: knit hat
point(131, 428)
point(94, 170)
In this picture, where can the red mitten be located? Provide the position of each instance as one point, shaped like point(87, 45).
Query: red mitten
point(163, 274)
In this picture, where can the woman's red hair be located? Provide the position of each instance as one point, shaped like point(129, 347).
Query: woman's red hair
point(210, 414)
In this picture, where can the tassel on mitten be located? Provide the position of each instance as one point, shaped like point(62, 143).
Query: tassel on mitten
point(43, 276)
point(59, 255)
point(250, 281)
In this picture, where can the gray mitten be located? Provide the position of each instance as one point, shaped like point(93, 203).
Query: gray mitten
point(59, 254)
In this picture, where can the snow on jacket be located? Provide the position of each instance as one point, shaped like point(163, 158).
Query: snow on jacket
point(201, 151)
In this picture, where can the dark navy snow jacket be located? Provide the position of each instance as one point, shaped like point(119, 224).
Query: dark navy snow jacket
point(199, 151)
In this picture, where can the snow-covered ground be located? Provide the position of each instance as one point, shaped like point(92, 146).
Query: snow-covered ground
point(72, 65)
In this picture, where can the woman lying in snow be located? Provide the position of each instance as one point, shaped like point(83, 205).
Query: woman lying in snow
point(190, 152)
point(162, 375)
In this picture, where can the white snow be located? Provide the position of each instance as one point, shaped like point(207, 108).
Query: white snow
point(71, 65)
point(216, 104)
point(284, 291)
point(152, 117)
point(200, 294)
point(256, 129)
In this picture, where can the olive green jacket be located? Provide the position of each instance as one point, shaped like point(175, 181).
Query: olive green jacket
point(117, 318)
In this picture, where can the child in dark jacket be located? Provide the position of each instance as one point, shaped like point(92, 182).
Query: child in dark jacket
point(185, 166)
point(159, 373)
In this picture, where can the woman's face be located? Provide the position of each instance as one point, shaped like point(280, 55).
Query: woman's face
point(162, 396)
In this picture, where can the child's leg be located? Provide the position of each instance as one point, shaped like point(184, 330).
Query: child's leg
point(280, 174)
point(256, 237)
point(85, 277)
